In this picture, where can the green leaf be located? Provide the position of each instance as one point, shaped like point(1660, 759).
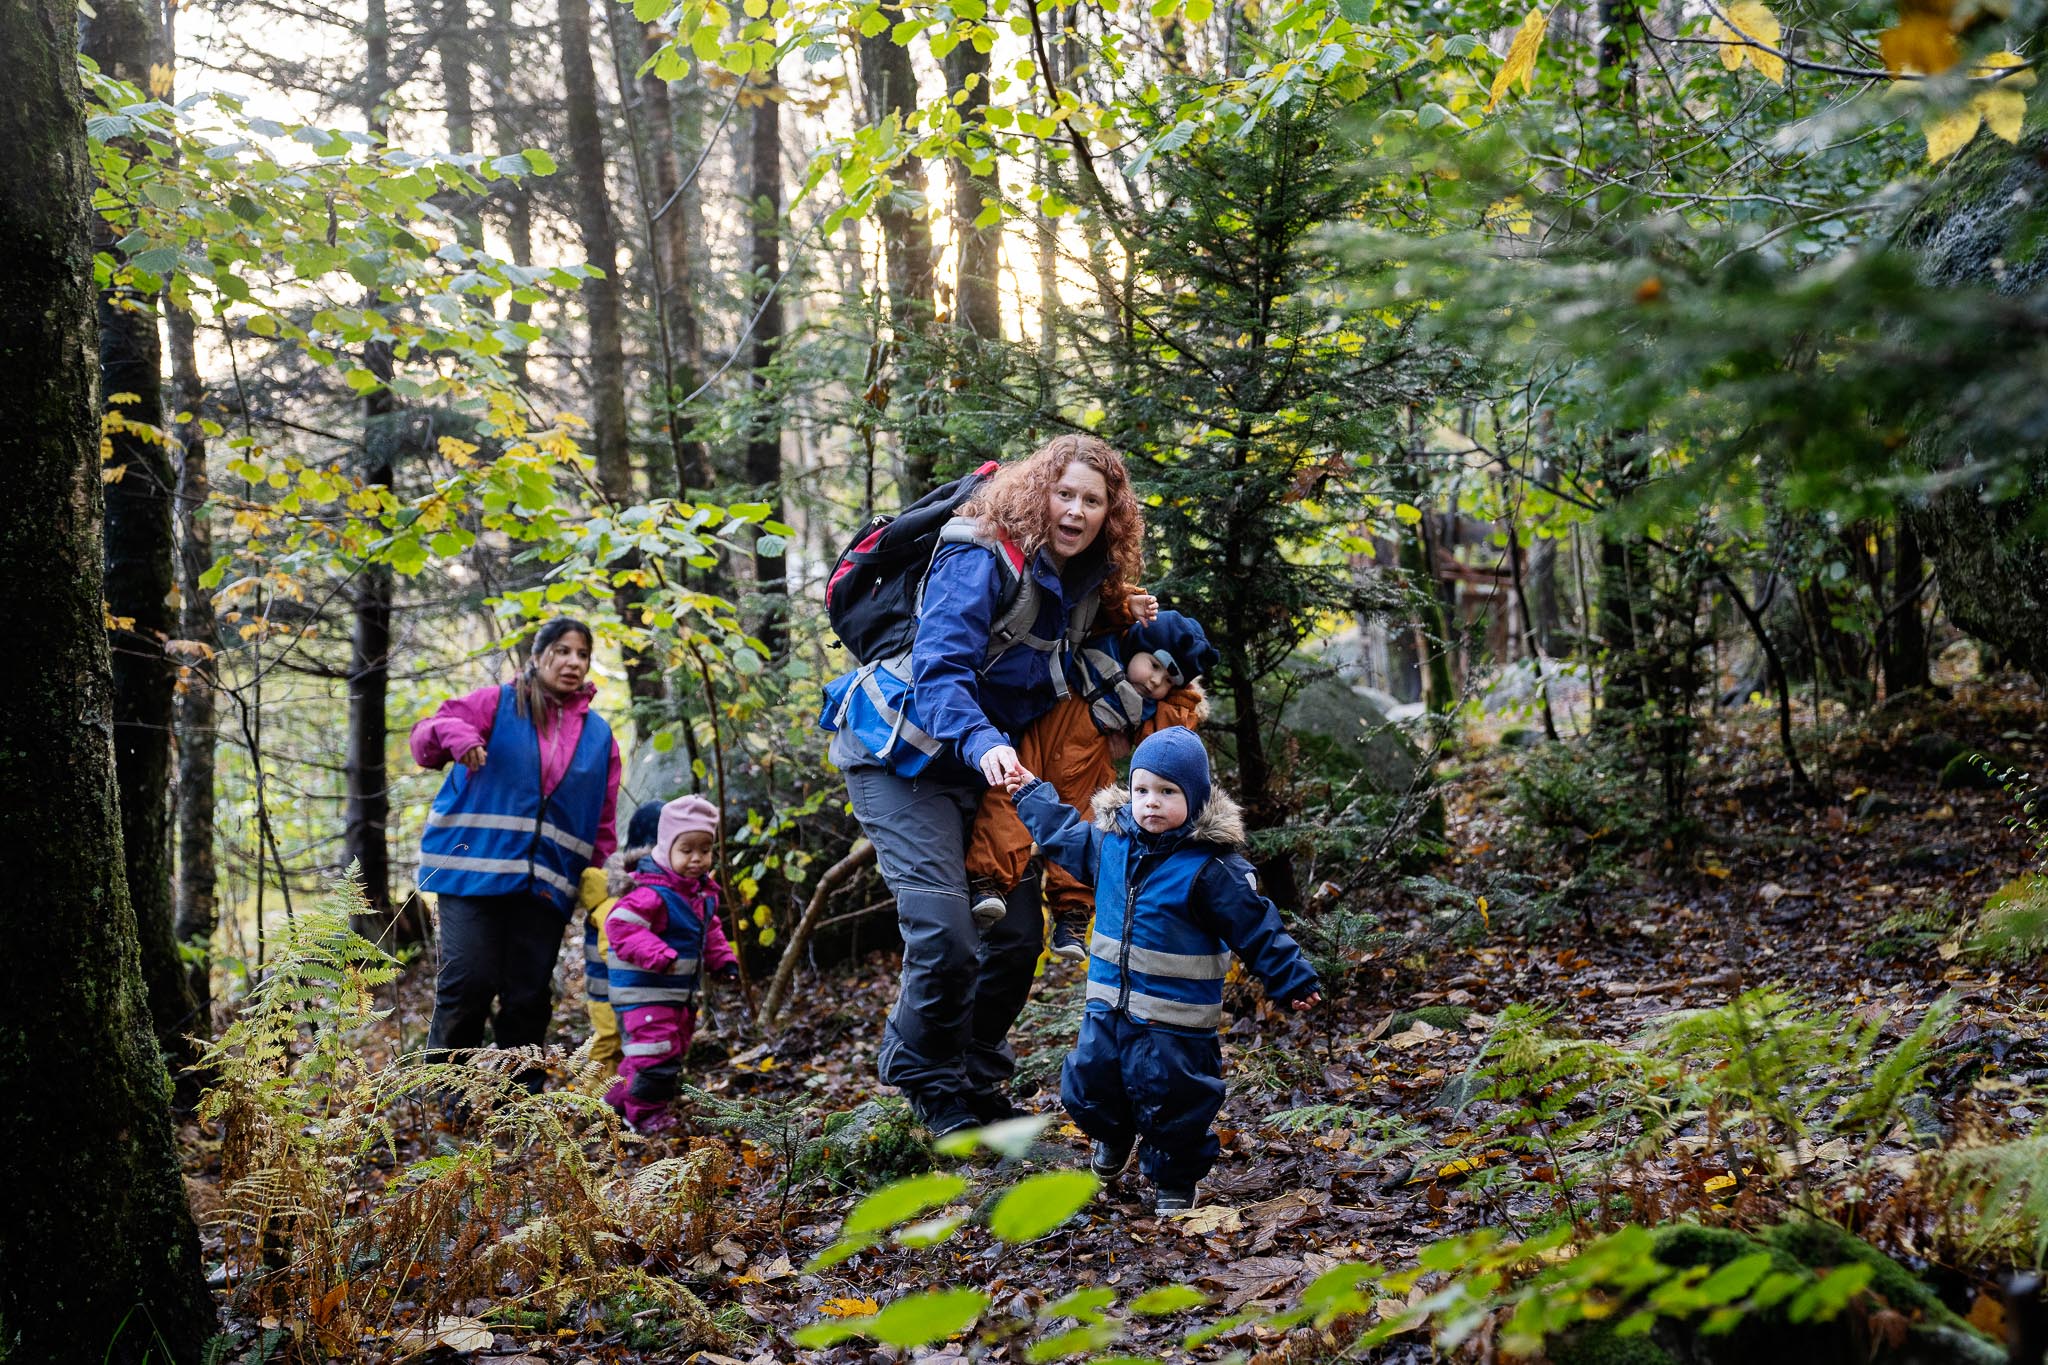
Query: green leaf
point(925, 1318)
point(1075, 1341)
point(1084, 1304)
point(902, 1201)
point(1038, 1205)
point(1169, 1298)
point(1198, 11)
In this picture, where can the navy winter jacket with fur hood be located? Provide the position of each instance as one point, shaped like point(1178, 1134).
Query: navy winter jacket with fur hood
point(1169, 908)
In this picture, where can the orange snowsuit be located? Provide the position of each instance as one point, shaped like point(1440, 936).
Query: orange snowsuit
point(1065, 748)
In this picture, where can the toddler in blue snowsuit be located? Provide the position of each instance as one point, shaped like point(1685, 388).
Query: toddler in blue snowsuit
point(1173, 899)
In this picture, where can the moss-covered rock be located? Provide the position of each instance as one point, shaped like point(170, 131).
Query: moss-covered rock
point(1436, 1016)
point(1983, 228)
point(1965, 773)
point(1598, 1344)
point(865, 1147)
point(1934, 1335)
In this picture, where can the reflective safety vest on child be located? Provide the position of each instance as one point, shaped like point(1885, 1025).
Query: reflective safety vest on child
point(494, 832)
point(632, 987)
point(1145, 958)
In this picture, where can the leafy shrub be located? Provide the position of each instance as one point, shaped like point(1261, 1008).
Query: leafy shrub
point(864, 1147)
point(1588, 790)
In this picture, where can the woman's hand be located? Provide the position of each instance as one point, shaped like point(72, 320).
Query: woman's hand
point(1144, 607)
point(998, 764)
point(475, 758)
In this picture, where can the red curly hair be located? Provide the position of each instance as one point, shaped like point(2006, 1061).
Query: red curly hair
point(1016, 504)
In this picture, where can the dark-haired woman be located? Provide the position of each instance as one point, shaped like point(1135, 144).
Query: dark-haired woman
point(528, 805)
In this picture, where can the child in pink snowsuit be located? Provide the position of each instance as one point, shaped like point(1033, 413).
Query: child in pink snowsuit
point(661, 935)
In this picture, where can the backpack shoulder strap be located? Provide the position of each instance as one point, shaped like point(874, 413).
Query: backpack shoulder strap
point(1017, 607)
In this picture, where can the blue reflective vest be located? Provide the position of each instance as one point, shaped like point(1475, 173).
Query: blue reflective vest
point(495, 833)
point(1147, 958)
point(631, 987)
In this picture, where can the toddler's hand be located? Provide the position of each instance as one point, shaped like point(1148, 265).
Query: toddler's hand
point(1144, 607)
point(1017, 779)
point(1308, 1002)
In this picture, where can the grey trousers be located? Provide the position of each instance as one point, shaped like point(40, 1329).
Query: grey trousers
point(947, 1044)
point(500, 948)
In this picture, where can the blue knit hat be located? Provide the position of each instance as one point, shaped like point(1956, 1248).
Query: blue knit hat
point(1176, 755)
point(645, 826)
point(1177, 641)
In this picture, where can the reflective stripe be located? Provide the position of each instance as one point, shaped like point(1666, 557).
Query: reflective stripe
point(1154, 1009)
point(624, 997)
point(646, 1049)
point(478, 820)
point(515, 867)
point(630, 916)
point(1152, 962)
point(899, 722)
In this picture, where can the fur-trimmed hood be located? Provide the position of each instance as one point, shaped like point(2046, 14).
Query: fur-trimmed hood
point(1221, 822)
point(618, 869)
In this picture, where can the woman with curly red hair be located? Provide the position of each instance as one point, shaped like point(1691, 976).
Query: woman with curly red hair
point(1065, 524)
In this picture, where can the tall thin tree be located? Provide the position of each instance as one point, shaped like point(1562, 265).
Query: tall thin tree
point(889, 84)
point(124, 38)
point(764, 422)
point(101, 1256)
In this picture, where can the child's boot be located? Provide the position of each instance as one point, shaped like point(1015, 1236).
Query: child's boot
point(1173, 1201)
point(988, 903)
point(1067, 943)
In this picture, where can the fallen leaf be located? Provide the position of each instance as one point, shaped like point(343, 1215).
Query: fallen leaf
point(1208, 1219)
point(463, 1335)
point(1921, 42)
point(1416, 1033)
point(849, 1308)
point(1749, 20)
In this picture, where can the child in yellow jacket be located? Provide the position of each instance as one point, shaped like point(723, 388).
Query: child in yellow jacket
point(599, 891)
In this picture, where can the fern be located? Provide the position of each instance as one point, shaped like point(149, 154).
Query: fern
point(518, 1211)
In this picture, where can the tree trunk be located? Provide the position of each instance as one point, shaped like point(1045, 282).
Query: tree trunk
point(1905, 661)
point(978, 304)
point(505, 135)
point(678, 276)
point(198, 908)
point(1624, 575)
point(890, 85)
point(607, 347)
point(452, 47)
point(123, 39)
point(366, 808)
point(764, 423)
point(101, 1254)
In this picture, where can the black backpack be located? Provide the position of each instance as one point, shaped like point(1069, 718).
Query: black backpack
point(873, 593)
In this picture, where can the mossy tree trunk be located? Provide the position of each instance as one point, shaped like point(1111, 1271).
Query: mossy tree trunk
point(101, 1257)
point(764, 421)
point(122, 36)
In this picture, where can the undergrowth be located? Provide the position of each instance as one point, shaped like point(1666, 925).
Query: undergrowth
point(329, 1229)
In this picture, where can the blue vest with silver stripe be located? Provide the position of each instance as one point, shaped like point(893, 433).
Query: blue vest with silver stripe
point(1147, 958)
point(495, 833)
point(630, 987)
point(596, 971)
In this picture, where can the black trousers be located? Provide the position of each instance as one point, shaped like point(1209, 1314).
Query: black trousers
point(494, 948)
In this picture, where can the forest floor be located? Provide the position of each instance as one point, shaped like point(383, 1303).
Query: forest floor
point(1851, 902)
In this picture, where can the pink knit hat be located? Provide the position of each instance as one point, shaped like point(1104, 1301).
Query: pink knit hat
point(684, 815)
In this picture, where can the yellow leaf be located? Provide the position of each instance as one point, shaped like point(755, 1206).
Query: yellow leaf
point(1719, 1183)
point(1921, 42)
point(2004, 111)
point(1749, 20)
point(1520, 64)
point(114, 475)
point(159, 79)
point(1949, 133)
point(849, 1308)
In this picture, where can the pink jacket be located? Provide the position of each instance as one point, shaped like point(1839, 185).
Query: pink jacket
point(462, 723)
point(642, 945)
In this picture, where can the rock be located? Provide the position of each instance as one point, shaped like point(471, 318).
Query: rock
point(1981, 229)
point(1345, 731)
point(1965, 772)
point(1932, 750)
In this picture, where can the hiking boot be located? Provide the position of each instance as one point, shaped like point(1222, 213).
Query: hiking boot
point(988, 904)
point(1067, 944)
point(993, 1106)
point(1108, 1159)
point(1173, 1201)
point(950, 1116)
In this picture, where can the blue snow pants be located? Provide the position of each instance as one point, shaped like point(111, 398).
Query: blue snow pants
point(1128, 1080)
